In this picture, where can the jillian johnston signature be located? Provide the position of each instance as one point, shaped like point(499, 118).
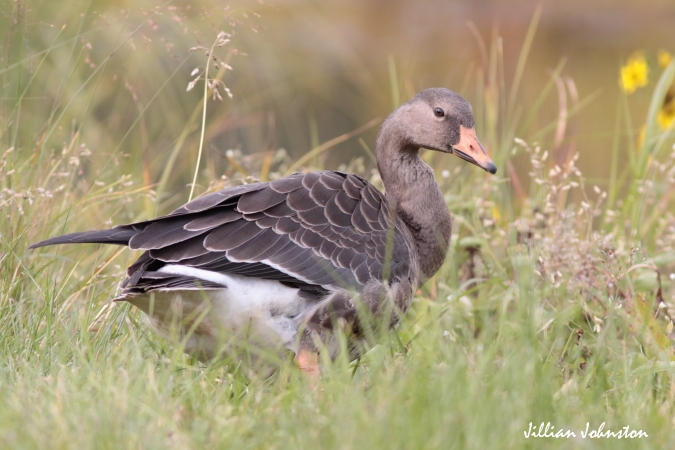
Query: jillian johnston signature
point(546, 430)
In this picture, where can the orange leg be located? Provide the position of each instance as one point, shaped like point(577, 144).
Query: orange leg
point(308, 362)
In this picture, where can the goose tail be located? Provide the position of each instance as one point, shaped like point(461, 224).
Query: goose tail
point(115, 236)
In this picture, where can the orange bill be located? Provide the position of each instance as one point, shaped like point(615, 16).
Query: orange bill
point(469, 149)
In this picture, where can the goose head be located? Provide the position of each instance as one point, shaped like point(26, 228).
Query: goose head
point(440, 119)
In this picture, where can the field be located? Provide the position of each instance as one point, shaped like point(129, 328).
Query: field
point(554, 304)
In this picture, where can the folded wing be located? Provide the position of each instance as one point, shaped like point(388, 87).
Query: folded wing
point(311, 230)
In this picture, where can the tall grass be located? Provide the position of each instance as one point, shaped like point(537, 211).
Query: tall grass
point(554, 304)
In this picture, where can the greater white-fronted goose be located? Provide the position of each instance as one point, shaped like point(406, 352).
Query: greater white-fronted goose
point(277, 263)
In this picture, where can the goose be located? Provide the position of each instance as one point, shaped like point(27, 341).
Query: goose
point(278, 264)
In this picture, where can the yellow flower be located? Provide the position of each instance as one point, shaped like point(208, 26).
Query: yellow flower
point(495, 213)
point(666, 115)
point(664, 58)
point(635, 74)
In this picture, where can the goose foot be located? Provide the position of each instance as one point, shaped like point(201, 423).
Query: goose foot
point(308, 362)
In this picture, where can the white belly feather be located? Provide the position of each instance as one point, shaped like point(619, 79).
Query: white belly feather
point(250, 311)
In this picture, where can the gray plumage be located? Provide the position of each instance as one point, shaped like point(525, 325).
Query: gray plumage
point(329, 234)
point(313, 242)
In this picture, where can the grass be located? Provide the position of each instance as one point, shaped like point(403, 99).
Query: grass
point(554, 304)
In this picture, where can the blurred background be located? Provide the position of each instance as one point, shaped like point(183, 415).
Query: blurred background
point(110, 77)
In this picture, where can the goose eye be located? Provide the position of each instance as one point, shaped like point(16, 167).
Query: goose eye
point(439, 112)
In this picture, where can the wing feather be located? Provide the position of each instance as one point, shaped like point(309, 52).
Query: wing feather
point(332, 180)
point(310, 178)
point(283, 245)
point(346, 204)
point(353, 186)
point(267, 222)
point(335, 215)
point(320, 193)
point(313, 229)
point(190, 248)
point(287, 226)
point(218, 239)
point(263, 242)
point(217, 198)
point(345, 256)
point(163, 233)
point(257, 201)
point(287, 184)
point(299, 200)
point(311, 240)
point(222, 215)
point(244, 234)
point(314, 216)
point(280, 210)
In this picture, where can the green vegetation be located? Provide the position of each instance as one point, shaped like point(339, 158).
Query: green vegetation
point(554, 304)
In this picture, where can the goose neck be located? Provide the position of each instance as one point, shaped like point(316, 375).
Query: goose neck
point(412, 192)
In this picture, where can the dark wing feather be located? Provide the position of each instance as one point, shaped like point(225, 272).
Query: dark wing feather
point(190, 248)
point(218, 216)
point(299, 200)
point(287, 184)
point(352, 186)
point(258, 201)
point(310, 178)
point(266, 240)
point(242, 236)
point(335, 215)
point(152, 280)
point(285, 225)
point(346, 204)
point(332, 180)
point(218, 239)
point(282, 245)
point(162, 234)
point(280, 210)
point(320, 193)
point(217, 198)
point(314, 229)
point(315, 216)
point(117, 236)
